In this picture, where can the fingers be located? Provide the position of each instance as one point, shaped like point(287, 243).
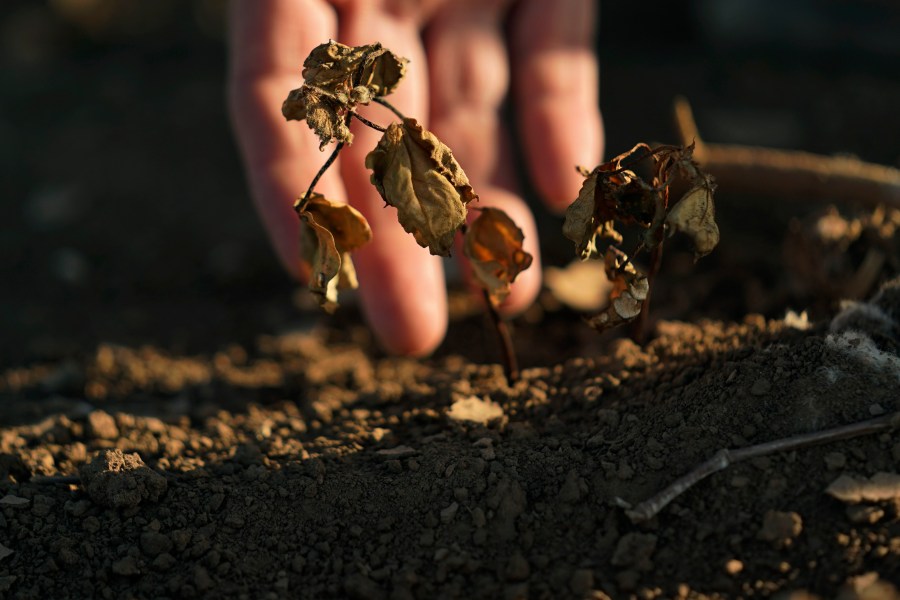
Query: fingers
point(401, 284)
point(469, 77)
point(555, 83)
point(269, 40)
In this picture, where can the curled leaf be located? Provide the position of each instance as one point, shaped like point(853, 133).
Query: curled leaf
point(336, 79)
point(330, 231)
point(579, 224)
point(382, 70)
point(339, 68)
point(417, 174)
point(325, 114)
point(630, 289)
point(590, 215)
point(493, 244)
point(695, 215)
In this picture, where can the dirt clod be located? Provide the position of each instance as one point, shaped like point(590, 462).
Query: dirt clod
point(119, 480)
point(780, 528)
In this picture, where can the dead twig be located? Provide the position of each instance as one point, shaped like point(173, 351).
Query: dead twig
point(723, 458)
point(790, 173)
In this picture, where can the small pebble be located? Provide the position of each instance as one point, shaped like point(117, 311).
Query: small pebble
point(734, 566)
point(865, 514)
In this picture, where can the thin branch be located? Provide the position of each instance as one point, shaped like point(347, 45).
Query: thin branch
point(301, 204)
point(389, 106)
point(510, 364)
point(790, 173)
point(639, 327)
point(367, 122)
point(723, 458)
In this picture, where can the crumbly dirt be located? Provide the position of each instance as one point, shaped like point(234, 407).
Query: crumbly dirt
point(309, 468)
point(176, 421)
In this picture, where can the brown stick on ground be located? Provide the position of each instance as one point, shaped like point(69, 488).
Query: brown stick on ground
point(723, 458)
point(790, 173)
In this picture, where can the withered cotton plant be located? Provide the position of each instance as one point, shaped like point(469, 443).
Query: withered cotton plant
point(613, 194)
point(412, 170)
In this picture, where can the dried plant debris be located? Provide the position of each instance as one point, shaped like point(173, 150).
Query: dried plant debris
point(413, 171)
point(837, 256)
point(336, 79)
point(695, 216)
point(614, 195)
point(417, 174)
point(493, 244)
point(325, 114)
point(330, 231)
point(342, 69)
point(629, 290)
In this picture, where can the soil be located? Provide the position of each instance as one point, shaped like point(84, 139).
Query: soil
point(176, 420)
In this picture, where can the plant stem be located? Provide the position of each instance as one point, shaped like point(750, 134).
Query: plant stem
point(510, 364)
point(639, 328)
point(301, 204)
point(389, 106)
point(365, 121)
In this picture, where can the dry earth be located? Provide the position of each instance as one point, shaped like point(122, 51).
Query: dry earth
point(281, 454)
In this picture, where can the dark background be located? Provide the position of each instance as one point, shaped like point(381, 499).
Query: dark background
point(125, 216)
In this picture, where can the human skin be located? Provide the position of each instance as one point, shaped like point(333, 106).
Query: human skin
point(465, 56)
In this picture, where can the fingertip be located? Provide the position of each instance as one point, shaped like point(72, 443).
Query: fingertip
point(402, 287)
point(554, 151)
point(416, 339)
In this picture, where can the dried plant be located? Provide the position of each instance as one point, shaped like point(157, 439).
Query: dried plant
point(614, 195)
point(413, 171)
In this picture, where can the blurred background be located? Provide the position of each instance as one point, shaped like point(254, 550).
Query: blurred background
point(125, 216)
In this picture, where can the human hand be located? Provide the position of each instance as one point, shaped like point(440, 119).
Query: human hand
point(464, 55)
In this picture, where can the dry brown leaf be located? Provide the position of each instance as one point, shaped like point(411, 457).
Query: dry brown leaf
point(695, 215)
point(333, 67)
point(417, 174)
point(330, 232)
point(493, 244)
point(382, 71)
point(325, 114)
point(630, 289)
point(579, 224)
point(586, 219)
point(337, 78)
point(349, 228)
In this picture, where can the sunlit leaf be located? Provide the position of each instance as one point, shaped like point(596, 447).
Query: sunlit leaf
point(339, 68)
point(417, 174)
point(330, 231)
point(493, 244)
point(630, 289)
point(337, 78)
point(590, 215)
point(325, 114)
point(695, 215)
